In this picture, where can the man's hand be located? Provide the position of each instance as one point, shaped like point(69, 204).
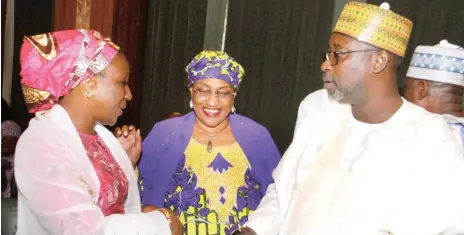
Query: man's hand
point(149, 208)
point(176, 226)
point(245, 231)
point(131, 141)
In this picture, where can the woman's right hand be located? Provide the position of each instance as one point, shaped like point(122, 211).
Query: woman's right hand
point(131, 141)
point(176, 226)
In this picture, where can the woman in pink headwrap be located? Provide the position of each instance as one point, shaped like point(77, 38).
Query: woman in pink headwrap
point(73, 175)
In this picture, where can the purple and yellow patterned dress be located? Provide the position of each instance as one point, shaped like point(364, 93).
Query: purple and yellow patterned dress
point(213, 193)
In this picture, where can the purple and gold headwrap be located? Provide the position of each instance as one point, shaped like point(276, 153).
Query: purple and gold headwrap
point(215, 64)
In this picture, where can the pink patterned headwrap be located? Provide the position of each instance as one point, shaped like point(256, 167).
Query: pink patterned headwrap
point(52, 64)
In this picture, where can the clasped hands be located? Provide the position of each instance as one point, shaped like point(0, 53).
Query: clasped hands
point(176, 226)
point(131, 141)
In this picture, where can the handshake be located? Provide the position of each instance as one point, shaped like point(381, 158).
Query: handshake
point(245, 231)
point(174, 223)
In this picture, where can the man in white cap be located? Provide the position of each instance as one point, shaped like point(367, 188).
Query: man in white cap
point(364, 161)
point(435, 81)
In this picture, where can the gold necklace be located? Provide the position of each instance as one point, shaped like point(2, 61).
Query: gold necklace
point(209, 147)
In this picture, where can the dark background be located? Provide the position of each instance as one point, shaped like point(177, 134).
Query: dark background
point(277, 41)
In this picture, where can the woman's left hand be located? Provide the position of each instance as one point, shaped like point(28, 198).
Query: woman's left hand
point(131, 141)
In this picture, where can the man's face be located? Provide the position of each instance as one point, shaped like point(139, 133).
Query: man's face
point(345, 73)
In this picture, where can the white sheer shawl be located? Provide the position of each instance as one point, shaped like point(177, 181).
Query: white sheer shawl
point(58, 187)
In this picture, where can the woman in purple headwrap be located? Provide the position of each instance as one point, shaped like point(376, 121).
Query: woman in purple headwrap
point(210, 166)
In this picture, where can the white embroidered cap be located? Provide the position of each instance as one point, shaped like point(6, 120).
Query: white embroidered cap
point(441, 63)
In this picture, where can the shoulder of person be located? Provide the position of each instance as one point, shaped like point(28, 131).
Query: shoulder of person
point(168, 125)
point(43, 128)
point(244, 120)
point(44, 141)
point(434, 126)
point(251, 126)
point(429, 130)
point(422, 120)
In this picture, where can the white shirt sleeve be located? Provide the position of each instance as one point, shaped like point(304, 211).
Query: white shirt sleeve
point(268, 218)
point(58, 198)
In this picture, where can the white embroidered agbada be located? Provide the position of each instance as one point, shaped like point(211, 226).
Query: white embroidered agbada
point(343, 177)
point(58, 186)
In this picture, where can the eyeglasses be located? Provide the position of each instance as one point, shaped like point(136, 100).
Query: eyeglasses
point(332, 56)
point(206, 94)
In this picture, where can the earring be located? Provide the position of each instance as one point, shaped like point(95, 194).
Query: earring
point(191, 104)
point(89, 94)
point(233, 109)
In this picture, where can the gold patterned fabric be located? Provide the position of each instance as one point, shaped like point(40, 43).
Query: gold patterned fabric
point(229, 174)
point(376, 26)
point(213, 193)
